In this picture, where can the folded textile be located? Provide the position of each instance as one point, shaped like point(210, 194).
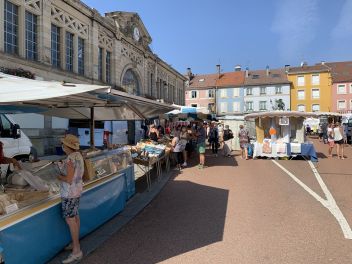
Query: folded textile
point(266, 147)
point(295, 148)
point(281, 148)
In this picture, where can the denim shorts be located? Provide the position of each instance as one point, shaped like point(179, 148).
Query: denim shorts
point(69, 207)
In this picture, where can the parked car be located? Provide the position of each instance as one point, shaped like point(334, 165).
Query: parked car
point(16, 144)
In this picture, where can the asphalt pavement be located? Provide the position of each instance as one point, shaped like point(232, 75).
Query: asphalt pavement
point(243, 211)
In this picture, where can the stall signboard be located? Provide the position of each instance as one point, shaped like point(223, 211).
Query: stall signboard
point(284, 121)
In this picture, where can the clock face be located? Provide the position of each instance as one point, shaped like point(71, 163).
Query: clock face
point(136, 34)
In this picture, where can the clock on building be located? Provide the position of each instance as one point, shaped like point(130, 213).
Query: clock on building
point(136, 34)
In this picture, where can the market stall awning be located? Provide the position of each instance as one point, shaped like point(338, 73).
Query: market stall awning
point(328, 114)
point(74, 101)
point(280, 114)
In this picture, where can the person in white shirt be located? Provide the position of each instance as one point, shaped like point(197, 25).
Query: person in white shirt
point(338, 139)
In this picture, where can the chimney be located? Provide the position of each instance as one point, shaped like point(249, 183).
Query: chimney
point(189, 74)
point(303, 63)
point(287, 67)
point(247, 72)
point(267, 70)
point(322, 62)
point(218, 69)
point(238, 68)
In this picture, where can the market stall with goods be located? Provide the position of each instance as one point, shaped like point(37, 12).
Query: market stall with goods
point(234, 123)
point(329, 117)
point(32, 229)
point(148, 154)
point(281, 134)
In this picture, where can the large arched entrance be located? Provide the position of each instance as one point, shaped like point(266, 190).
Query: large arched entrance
point(130, 82)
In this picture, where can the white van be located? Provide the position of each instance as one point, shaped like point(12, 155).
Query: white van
point(16, 144)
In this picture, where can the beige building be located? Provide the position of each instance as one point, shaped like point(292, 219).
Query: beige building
point(65, 40)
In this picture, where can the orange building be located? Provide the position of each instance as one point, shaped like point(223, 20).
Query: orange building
point(310, 88)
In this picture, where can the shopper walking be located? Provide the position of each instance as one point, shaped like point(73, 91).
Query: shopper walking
point(331, 140)
point(325, 133)
point(177, 149)
point(243, 136)
point(320, 132)
point(228, 135)
point(72, 170)
point(201, 137)
point(214, 139)
point(221, 135)
point(190, 145)
point(345, 133)
point(339, 141)
point(184, 137)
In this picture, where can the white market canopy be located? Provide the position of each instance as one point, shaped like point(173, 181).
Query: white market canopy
point(74, 101)
point(280, 114)
point(328, 114)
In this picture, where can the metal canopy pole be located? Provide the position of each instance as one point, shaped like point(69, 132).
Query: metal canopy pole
point(92, 121)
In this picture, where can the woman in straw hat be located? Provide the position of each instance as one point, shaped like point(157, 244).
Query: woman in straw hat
point(71, 189)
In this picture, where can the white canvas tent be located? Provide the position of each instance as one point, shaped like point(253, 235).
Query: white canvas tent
point(75, 101)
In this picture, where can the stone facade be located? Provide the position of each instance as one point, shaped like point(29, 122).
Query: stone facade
point(120, 35)
point(115, 32)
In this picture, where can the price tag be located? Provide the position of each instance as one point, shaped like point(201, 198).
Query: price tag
point(11, 208)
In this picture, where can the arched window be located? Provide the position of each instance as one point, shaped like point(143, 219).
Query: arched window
point(130, 82)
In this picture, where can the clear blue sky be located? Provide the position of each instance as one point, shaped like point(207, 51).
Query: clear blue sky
point(253, 33)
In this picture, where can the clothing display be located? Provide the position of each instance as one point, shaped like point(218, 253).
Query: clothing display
point(281, 148)
point(295, 148)
point(277, 139)
point(266, 146)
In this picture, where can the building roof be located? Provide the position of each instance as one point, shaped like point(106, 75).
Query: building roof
point(341, 71)
point(203, 81)
point(308, 69)
point(260, 77)
point(231, 79)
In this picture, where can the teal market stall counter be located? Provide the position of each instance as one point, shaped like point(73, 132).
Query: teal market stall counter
point(36, 233)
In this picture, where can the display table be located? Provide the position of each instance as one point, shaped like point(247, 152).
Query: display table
point(258, 151)
point(146, 165)
point(305, 150)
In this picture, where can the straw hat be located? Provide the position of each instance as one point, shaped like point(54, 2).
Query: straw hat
point(71, 141)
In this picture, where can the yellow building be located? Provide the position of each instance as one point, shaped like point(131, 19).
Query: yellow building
point(310, 88)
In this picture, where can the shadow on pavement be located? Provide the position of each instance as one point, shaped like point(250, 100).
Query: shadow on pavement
point(321, 155)
point(184, 217)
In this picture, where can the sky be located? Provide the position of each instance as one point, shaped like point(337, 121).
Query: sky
point(252, 33)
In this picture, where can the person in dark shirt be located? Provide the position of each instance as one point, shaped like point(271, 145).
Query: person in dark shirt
point(153, 133)
point(214, 138)
point(161, 131)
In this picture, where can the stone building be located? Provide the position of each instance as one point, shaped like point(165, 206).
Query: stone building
point(65, 40)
